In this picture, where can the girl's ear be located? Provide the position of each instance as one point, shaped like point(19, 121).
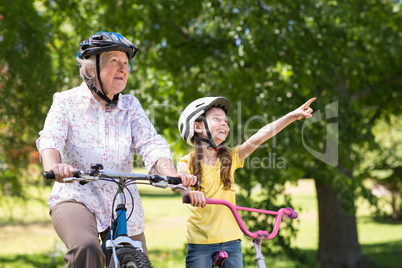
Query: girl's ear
point(197, 127)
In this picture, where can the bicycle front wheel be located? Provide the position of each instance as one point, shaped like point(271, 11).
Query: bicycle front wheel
point(131, 258)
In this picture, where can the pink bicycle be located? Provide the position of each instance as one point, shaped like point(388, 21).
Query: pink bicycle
point(257, 237)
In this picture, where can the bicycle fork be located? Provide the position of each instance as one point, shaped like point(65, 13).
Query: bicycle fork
point(117, 236)
point(259, 258)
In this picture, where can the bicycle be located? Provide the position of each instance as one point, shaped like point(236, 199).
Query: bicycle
point(119, 249)
point(258, 237)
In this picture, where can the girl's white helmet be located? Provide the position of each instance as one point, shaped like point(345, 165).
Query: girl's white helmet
point(195, 110)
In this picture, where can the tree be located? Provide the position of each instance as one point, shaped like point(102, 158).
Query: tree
point(267, 57)
point(25, 83)
point(277, 55)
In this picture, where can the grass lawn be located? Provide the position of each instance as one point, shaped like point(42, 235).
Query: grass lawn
point(29, 240)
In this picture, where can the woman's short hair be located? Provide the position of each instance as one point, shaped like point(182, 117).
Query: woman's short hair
point(85, 65)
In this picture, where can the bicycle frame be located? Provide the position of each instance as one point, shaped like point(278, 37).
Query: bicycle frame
point(260, 235)
point(117, 244)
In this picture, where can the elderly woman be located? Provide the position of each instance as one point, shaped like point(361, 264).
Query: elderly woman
point(95, 123)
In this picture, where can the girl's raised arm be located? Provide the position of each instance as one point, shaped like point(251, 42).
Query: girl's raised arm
point(270, 130)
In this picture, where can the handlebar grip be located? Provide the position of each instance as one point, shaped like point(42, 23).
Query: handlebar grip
point(175, 180)
point(49, 175)
point(186, 199)
point(293, 214)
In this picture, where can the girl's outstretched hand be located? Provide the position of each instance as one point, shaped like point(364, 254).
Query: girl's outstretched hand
point(303, 111)
point(197, 198)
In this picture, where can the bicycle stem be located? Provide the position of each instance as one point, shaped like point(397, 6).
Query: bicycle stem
point(121, 212)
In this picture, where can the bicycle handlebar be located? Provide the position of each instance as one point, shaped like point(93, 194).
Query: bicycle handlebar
point(95, 174)
point(289, 213)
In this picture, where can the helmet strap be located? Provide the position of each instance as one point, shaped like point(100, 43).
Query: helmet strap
point(210, 140)
point(109, 103)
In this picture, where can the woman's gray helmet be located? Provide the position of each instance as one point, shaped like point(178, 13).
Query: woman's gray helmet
point(104, 41)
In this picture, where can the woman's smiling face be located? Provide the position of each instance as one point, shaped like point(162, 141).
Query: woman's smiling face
point(114, 72)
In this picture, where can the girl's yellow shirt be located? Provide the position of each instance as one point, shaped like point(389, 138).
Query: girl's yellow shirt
point(213, 223)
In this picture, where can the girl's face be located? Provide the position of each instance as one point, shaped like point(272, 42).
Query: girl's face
point(217, 124)
point(114, 72)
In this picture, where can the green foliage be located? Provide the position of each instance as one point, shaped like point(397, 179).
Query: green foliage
point(32, 261)
point(383, 163)
point(26, 81)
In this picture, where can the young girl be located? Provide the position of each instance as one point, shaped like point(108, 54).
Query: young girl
point(204, 125)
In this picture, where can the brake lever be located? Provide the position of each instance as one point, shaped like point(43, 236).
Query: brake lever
point(84, 179)
point(70, 179)
point(177, 187)
point(160, 184)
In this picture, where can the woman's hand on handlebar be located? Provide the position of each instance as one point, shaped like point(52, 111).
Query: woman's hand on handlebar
point(187, 179)
point(197, 198)
point(62, 171)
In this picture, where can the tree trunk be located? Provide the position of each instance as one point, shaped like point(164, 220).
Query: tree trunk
point(338, 241)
